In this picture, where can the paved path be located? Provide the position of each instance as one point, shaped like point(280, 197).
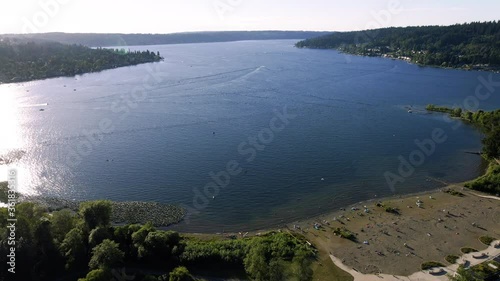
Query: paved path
point(486, 196)
point(491, 251)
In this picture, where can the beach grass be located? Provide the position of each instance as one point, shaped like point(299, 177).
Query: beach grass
point(454, 192)
point(451, 258)
point(324, 269)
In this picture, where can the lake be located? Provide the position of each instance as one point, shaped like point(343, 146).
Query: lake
point(299, 132)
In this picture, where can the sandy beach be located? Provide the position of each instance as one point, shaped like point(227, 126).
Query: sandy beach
point(398, 244)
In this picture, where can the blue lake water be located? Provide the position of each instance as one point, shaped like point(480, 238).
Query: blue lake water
point(155, 132)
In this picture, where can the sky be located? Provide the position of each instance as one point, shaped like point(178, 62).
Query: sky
point(169, 16)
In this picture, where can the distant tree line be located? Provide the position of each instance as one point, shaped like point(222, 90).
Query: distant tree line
point(25, 61)
point(470, 45)
point(116, 39)
point(489, 124)
point(67, 245)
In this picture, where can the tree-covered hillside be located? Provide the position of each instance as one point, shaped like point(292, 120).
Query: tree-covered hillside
point(117, 39)
point(472, 46)
point(24, 61)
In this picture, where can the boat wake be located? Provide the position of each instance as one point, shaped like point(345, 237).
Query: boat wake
point(34, 105)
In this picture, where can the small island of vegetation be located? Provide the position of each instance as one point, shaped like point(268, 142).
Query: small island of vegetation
point(473, 45)
point(22, 60)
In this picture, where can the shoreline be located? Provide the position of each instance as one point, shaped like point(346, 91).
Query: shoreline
point(54, 203)
point(287, 224)
point(382, 240)
point(385, 56)
point(69, 76)
point(387, 199)
point(384, 254)
point(444, 225)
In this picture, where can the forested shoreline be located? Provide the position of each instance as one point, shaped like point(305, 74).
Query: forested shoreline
point(488, 122)
point(53, 245)
point(22, 61)
point(470, 46)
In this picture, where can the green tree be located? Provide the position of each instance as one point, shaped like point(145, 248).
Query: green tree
point(28, 216)
point(106, 255)
point(180, 274)
point(74, 249)
point(256, 262)
point(276, 270)
point(491, 143)
point(61, 223)
point(466, 274)
point(96, 213)
point(97, 235)
point(302, 264)
point(98, 275)
point(139, 236)
point(123, 236)
point(47, 260)
point(159, 244)
point(457, 112)
point(468, 116)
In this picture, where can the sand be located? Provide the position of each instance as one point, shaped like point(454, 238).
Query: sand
point(425, 275)
point(399, 244)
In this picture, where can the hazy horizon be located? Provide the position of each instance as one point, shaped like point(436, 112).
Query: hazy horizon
point(150, 17)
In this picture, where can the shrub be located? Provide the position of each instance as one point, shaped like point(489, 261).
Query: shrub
point(454, 192)
point(391, 210)
point(180, 274)
point(489, 182)
point(95, 213)
point(467, 250)
point(98, 275)
point(451, 258)
point(431, 264)
point(486, 240)
point(106, 255)
point(344, 233)
point(484, 270)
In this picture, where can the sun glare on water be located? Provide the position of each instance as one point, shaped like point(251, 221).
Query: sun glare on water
point(11, 142)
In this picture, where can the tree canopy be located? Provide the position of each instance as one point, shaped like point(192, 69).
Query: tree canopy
point(24, 61)
point(56, 245)
point(489, 124)
point(106, 255)
point(470, 45)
